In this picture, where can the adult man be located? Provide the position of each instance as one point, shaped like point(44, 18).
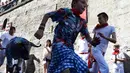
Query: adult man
point(4, 39)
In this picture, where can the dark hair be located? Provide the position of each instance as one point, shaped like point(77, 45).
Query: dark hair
point(81, 34)
point(73, 2)
point(4, 23)
point(104, 15)
point(49, 42)
point(12, 27)
point(117, 46)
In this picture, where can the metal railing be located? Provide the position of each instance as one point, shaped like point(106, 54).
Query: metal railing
point(12, 5)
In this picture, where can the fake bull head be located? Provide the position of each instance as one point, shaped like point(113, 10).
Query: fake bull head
point(20, 47)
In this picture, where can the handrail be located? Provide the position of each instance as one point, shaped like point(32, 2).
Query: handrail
point(14, 7)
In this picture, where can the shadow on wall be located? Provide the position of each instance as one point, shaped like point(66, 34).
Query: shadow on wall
point(127, 63)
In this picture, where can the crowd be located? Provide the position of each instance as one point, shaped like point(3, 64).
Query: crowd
point(7, 4)
point(59, 56)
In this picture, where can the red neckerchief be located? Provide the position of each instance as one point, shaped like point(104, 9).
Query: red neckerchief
point(82, 37)
point(76, 12)
point(98, 26)
point(116, 51)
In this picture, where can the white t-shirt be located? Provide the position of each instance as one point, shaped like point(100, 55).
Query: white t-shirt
point(5, 39)
point(47, 54)
point(106, 31)
point(119, 56)
point(119, 66)
point(83, 45)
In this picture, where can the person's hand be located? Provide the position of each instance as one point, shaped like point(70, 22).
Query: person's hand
point(39, 34)
point(95, 41)
point(101, 35)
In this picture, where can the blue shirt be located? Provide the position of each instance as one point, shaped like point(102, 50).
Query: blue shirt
point(69, 25)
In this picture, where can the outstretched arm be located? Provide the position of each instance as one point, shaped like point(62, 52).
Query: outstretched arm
point(39, 32)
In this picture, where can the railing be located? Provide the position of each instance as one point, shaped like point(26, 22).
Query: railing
point(12, 5)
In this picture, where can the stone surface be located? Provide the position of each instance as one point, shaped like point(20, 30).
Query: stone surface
point(28, 17)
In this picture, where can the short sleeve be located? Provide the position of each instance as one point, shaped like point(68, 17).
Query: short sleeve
point(2, 37)
point(113, 29)
point(122, 55)
point(59, 14)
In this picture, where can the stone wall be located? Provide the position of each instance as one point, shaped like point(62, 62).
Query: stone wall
point(28, 17)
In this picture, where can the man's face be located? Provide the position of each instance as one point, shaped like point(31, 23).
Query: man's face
point(101, 19)
point(80, 5)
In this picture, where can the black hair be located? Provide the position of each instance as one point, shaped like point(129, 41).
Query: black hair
point(117, 46)
point(73, 2)
point(12, 27)
point(104, 15)
point(49, 42)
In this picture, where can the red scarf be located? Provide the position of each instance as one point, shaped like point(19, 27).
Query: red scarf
point(98, 26)
point(82, 37)
point(76, 12)
point(116, 51)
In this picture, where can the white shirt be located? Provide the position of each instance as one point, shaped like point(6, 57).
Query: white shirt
point(83, 45)
point(6, 37)
point(106, 31)
point(47, 54)
point(119, 66)
point(119, 56)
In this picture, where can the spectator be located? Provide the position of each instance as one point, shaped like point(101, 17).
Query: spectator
point(47, 55)
point(118, 59)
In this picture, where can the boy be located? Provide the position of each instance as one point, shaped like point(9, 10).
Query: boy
point(118, 59)
point(69, 25)
point(102, 31)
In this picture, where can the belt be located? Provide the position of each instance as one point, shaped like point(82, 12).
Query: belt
point(84, 53)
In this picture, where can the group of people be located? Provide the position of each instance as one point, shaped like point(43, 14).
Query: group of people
point(63, 57)
point(7, 4)
point(60, 56)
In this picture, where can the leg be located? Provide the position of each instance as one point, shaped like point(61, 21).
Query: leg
point(9, 60)
point(102, 65)
point(94, 68)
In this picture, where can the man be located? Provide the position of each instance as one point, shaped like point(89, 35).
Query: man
point(102, 31)
point(83, 48)
point(4, 39)
point(69, 25)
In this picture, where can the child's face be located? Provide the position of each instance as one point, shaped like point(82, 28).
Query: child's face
point(80, 5)
point(102, 20)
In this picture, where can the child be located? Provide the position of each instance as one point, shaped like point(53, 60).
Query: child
point(118, 59)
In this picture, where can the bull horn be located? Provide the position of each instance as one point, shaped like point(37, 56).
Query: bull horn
point(32, 44)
